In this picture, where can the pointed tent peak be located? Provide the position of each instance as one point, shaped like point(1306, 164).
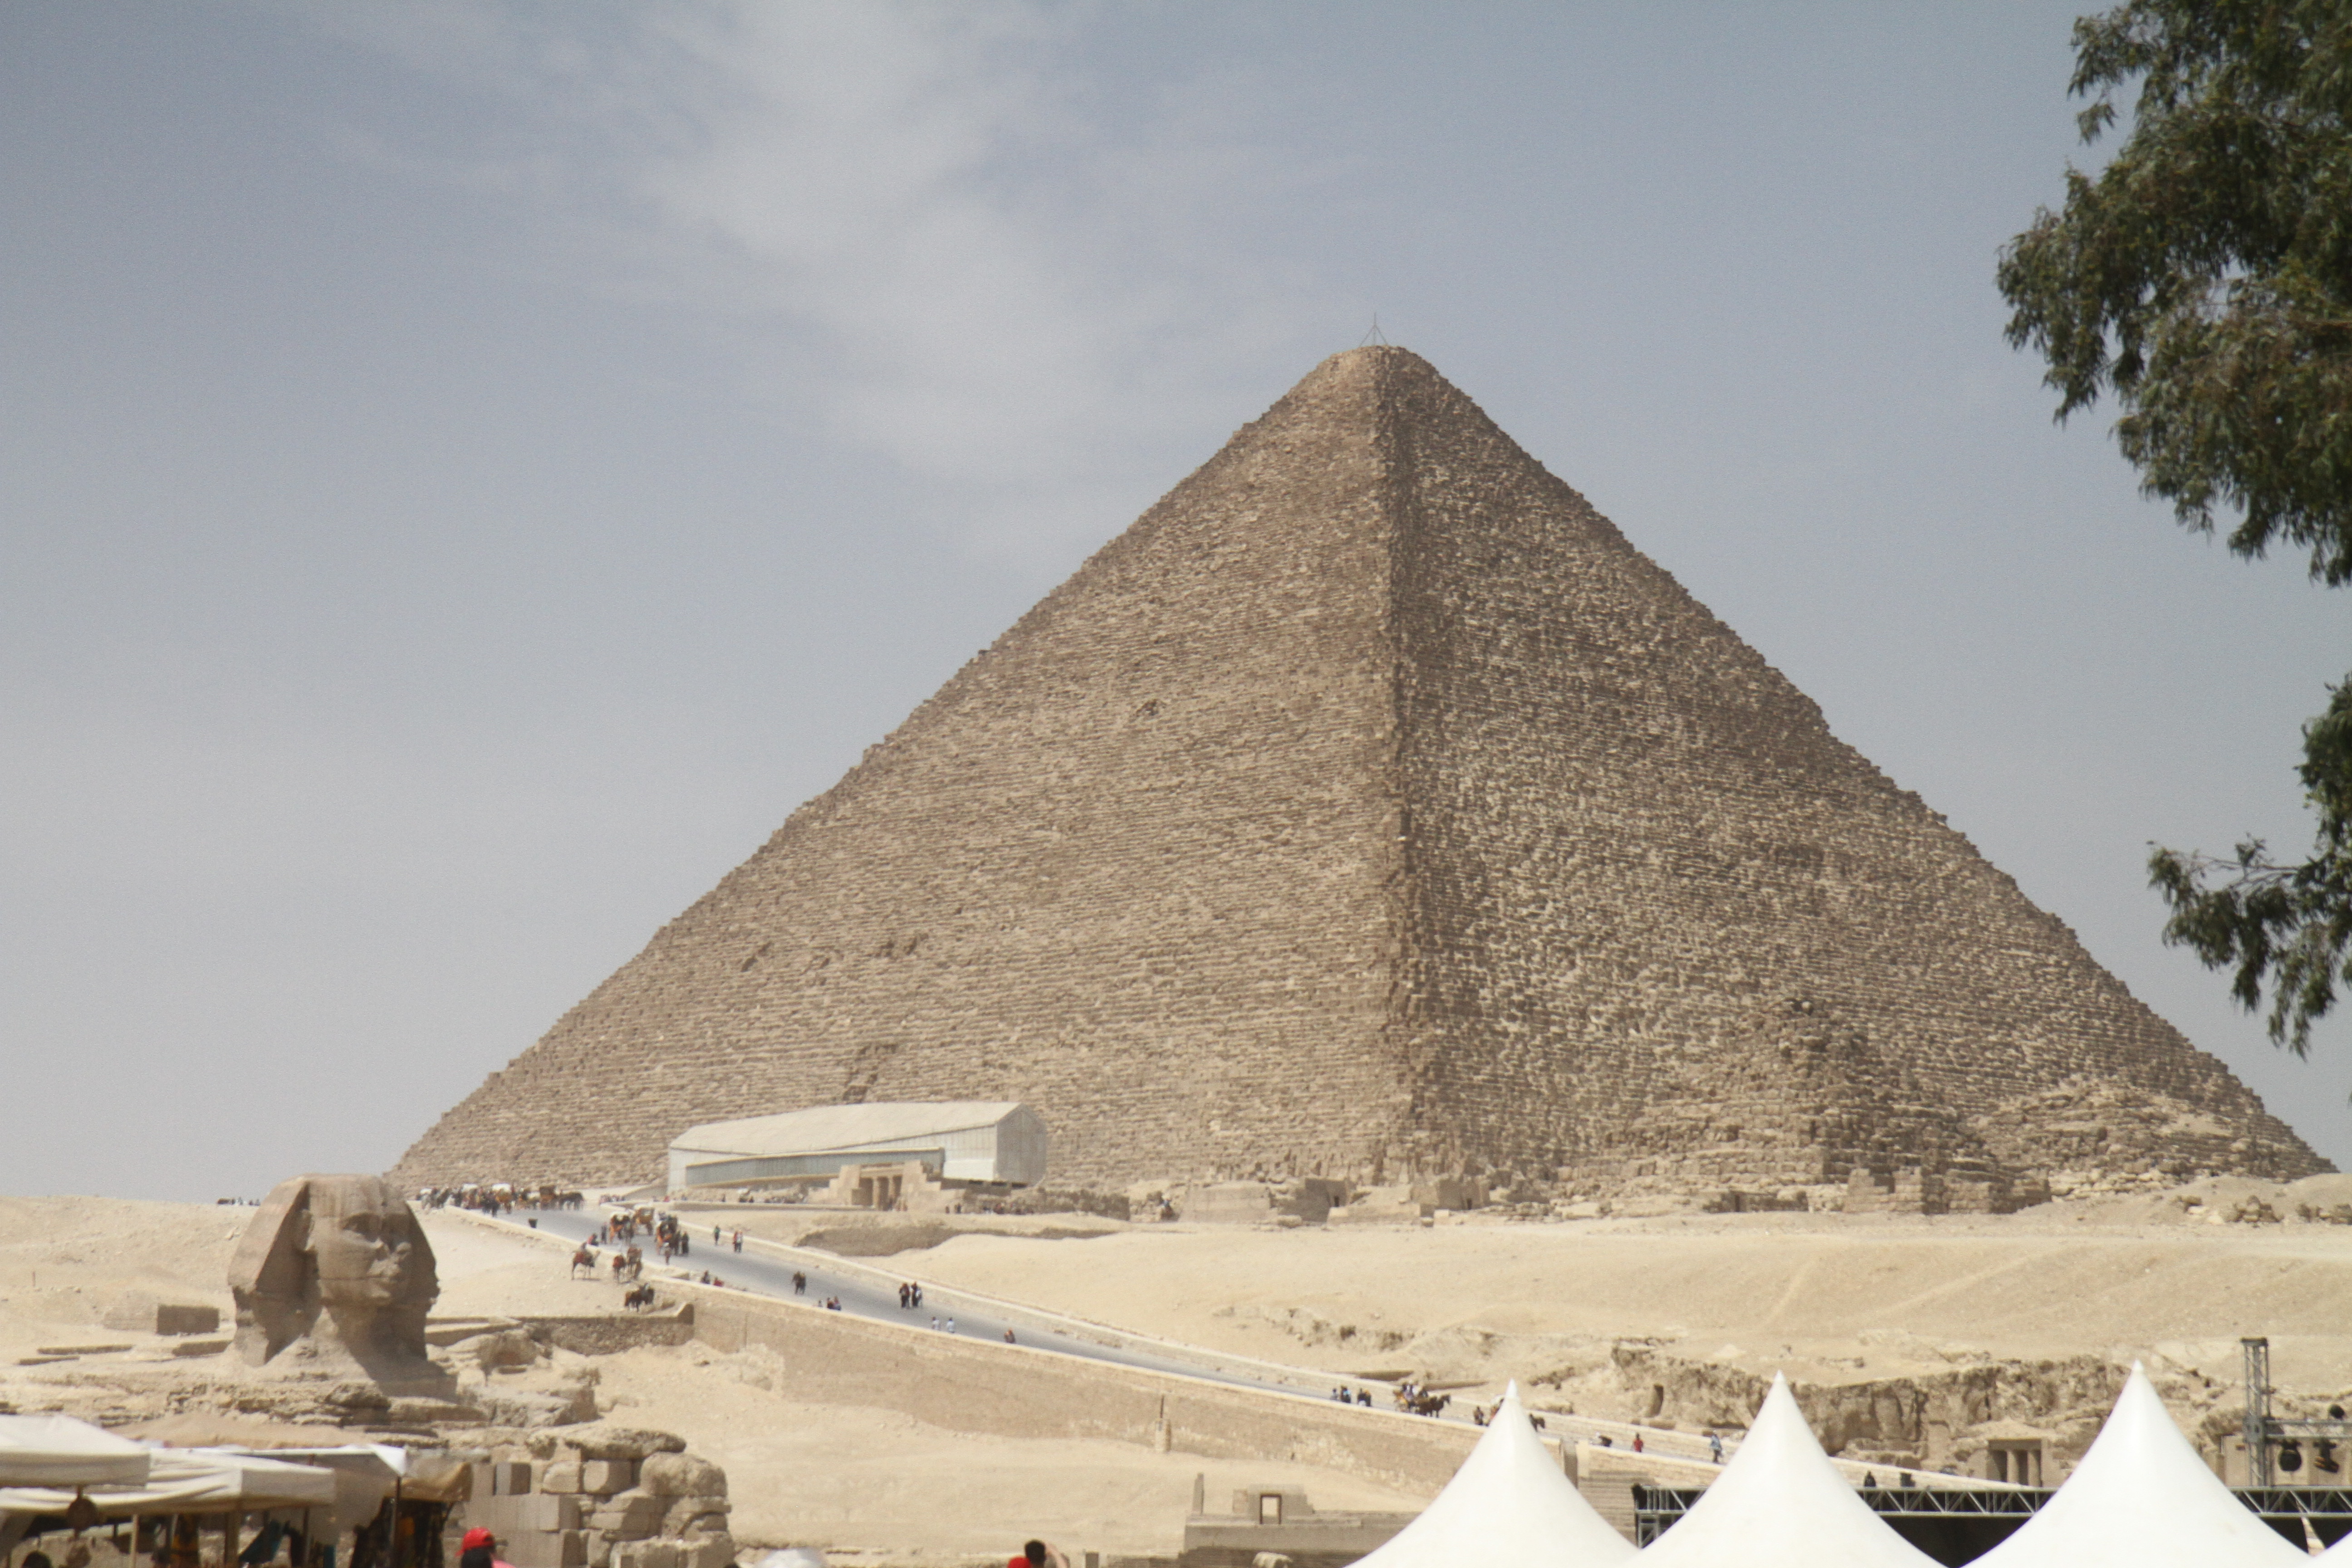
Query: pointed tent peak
point(2142, 1498)
point(1509, 1503)
point(1780, 1503)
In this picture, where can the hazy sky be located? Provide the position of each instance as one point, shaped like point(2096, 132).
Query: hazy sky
point(468, 471)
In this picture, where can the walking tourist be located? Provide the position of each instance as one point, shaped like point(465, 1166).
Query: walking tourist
point(481, 1549)
point(1037, 1554)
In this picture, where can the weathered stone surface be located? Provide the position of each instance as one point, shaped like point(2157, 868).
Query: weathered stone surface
point(509, 1348)
point(614, 1442)
point(604, 1476)
point(138, 1311)
point(628, 1515)
point(541, 1549)
point(713, 1551)
point(334, 1277)
point(560, 1478)
point(529, 1408)
point(1372, 809)
point(695, 1515)
point(682, 1475)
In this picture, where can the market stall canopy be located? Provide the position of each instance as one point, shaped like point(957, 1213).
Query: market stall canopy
point(2142, 1498)
point(59, 1451)
point(1509, 1503)
point(191, 1480)
point(365, 1474)
point(1782, 1504)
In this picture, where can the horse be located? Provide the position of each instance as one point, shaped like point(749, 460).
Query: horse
point(583, 1259)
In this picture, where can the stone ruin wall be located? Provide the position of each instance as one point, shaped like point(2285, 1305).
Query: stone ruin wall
point(632, 1500)
point(1372, 809)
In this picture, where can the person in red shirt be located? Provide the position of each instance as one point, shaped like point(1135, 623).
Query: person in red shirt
point(1037, 1554)
point(480, 1550)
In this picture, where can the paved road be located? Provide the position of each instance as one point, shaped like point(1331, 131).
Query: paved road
point(863, 1295)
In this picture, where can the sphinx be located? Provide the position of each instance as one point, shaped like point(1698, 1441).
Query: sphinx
point(334, 1276)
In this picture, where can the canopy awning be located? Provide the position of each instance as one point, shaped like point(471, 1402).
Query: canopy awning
point(59, 1451)
point(1509, 1503)
point(191, 1481)
point(1780, 1503)
point(2141, 1497)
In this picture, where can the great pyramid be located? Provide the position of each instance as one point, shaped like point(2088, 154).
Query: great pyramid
point(1372, 808)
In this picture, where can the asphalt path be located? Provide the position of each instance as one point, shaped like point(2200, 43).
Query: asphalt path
point(862, 1295)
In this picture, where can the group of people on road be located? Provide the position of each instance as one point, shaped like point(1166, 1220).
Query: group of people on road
point(910, 1296)
point(1415, 1400)
point(1361, 1396)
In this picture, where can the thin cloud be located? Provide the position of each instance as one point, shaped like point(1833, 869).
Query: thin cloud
point(943, 241)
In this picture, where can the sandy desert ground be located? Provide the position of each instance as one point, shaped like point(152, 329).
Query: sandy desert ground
point(861, 1483)
point(1829, 1298)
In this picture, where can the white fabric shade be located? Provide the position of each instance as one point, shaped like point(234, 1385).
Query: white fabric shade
point(2142, 1498)
point(1508, 1504)
point(59, 1451)
point(1779, 1503)
point(193, 1480)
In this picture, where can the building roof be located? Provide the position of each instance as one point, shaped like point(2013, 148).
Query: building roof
point(824, 1127)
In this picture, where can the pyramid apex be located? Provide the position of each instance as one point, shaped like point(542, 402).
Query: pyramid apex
point(1369, 364)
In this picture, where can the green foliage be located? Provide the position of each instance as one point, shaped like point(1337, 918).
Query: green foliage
point(2292, 924)
point(2204, 278)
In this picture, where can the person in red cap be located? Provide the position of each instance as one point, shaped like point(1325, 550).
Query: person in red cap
point(480, 1550)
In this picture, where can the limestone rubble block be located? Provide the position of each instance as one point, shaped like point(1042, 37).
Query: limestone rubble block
point(605, 1478)
point(137, 1311)
point(1393, 758)
point(631, 1515)
point(682, 1475)
point(605, 1441)
point(560, 1478)
point(694, 1515)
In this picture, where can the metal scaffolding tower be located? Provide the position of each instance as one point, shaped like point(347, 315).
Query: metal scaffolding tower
point(2271, 1440)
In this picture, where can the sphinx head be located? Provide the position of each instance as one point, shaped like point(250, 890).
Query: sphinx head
point(338, 1259)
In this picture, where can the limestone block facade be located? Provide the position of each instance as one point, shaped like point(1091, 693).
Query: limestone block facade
point(1372, 809)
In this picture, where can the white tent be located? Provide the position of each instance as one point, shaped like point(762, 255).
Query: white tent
point(2142, 1498)
point(1779, 1503)
point(1509, 1503)
point(59, 1451)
